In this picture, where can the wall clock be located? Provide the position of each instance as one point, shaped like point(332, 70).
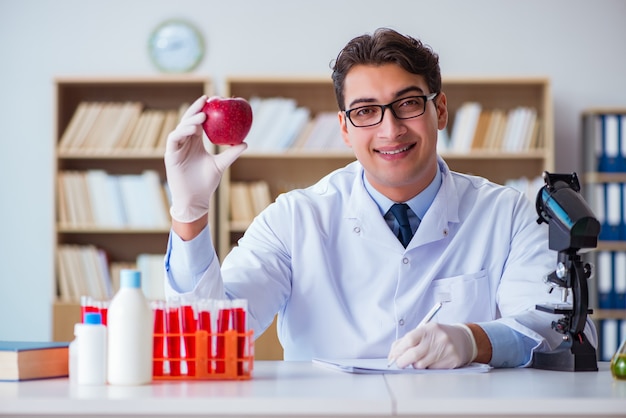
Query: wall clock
point(176, 46)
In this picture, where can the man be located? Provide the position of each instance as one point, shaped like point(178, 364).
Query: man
point(345, 273)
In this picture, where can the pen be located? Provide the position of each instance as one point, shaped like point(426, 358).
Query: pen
point(429, 316)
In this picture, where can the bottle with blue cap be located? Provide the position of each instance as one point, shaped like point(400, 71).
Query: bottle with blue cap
point(87, 353)
point(129, 325)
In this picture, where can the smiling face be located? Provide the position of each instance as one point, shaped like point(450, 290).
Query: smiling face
point(399, 156)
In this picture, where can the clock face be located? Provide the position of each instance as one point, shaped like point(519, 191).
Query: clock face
point(176, 46)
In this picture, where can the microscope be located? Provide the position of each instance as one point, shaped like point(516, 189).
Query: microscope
point(571, 227)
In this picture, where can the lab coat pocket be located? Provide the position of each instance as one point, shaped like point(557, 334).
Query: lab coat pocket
point(467, 298)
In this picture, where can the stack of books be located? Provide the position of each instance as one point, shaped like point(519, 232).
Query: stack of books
point(478, 129)
point(117, 127)
point(97, 199)
point(280, 124)
point(86, 270)
point(247, 200)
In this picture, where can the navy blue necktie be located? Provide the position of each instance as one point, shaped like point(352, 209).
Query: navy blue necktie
point(399, 210)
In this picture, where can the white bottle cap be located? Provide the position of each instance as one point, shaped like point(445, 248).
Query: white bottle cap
point(130, 278)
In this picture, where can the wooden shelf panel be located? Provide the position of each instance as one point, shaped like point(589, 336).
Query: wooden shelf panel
point(283, 174)
point(494, 93)
point(112, 155)
point(120, 246)
point(116, 166)
point(609, 314)
point(595, 177)
point(66, 229)
point(611, 246)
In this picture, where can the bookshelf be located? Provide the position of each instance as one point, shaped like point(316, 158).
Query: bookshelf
point(293, 167)
point(122, 243)
point(604, 188)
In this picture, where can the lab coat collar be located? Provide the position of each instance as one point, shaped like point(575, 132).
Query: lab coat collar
point(435, 226)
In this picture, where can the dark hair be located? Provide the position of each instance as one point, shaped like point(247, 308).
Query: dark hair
point(383, 47)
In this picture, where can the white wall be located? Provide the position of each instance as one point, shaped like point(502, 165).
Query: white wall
point(579, 44)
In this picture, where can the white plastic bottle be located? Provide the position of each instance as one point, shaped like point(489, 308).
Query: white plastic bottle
point(130, 327)
point(88, 352)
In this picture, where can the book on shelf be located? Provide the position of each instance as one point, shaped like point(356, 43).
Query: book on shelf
point(611, 332)
point(240, 202)
point(519, 128)
point(325, 133)
point(276, 124)
point(248, 199)
point(24, 360)
point(480, 133)
point(169, 124)
point(152, 271)
point(76, 138)
point(611, 285)
point(495, 130)
point(465, 123)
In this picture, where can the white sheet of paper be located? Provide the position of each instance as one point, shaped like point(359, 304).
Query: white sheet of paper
point(379, 366)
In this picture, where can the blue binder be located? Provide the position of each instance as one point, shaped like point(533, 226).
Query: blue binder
point(609, 159)
point(604, 274)
point(611, 221)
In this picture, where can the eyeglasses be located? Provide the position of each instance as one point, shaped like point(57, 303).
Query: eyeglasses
point(405, 108)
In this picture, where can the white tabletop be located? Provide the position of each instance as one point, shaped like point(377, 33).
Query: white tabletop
point(304, 390)
point(502, 392)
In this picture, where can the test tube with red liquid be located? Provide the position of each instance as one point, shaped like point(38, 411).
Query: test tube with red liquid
point(173, 331)
point(239, 309)
point(204, 324)
point(223, 324)
point(158, 307)
point(103, 308)
point(189, 327)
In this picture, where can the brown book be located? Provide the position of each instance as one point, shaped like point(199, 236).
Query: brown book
point(478, 142)
point(132, 112)
point(241, 209)
point(74, 126)
point(496, 129)
point(169, 124)
point(23, 360)
point(101, 127)
point(89, 118)
point(261, 196)
point(134, 141)
point(537, 137)
point(64, 287)
point(154, 124)
point(125, 114)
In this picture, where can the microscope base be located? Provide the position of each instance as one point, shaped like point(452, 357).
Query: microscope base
point(568, 357)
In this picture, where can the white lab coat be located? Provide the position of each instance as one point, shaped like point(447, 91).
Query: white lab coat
point(325, 260)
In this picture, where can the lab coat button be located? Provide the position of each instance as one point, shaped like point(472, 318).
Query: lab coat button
point(401, 322)
point(357, 230)
point(405, 260)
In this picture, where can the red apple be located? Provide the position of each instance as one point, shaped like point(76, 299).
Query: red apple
point(228, 120)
